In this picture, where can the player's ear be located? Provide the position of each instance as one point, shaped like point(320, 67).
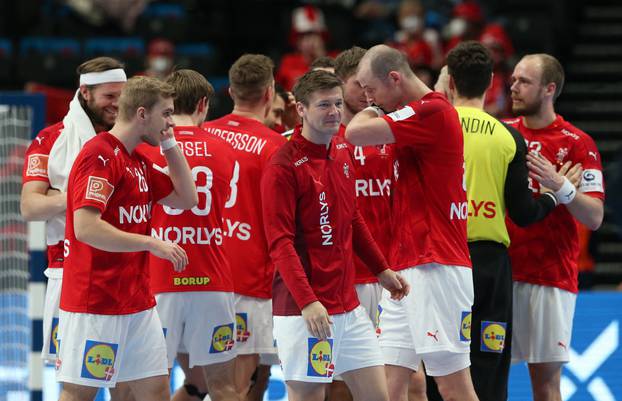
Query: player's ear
point(84, 91)
point(141, 113)
point(300, 108)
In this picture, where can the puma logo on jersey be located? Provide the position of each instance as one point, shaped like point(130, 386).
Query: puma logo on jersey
point(433, 335)
point(593, 154)
point(100, 157)
point(40, 139)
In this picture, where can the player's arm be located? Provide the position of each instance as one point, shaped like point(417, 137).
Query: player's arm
point(184, 195)
point(278, 194)
point(588, 210)
point(91, 229)
point(367, 249)
point(39, 202)
point(522, 207)
point(369, 128)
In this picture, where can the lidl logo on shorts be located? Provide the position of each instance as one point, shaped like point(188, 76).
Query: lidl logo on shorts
point(241, 326)
point(465, 326)
point(54, 336)
point(222, 339)
point(98, 361)
point(320, 357)
point(493, 336)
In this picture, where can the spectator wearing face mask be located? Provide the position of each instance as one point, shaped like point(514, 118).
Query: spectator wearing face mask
point(160, 58)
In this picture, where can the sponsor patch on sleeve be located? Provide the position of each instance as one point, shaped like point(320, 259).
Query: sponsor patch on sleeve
point(592, 181)
point(37, 165)
point(99, 189)
point(402, 114)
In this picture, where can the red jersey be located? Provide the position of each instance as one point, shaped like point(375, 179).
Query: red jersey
point(198, 230)
point(36, 169)
point(429, 196)
point(547, 252)
point(123, 188)
point(245, 241)
point(313, 224)
point(373, 170)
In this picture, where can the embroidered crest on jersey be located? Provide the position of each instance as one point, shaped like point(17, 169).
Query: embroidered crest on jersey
point(561, 154)
point(99, 189)
point(402, 114)
point(37, 165)
point(116, 150)
point(98, 361)
point(396, 170)
point(346, 170)
point(320, 357)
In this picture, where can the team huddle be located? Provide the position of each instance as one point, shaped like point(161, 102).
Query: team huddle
point(399, 230)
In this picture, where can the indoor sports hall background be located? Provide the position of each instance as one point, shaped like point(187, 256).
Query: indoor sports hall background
point(42, 42)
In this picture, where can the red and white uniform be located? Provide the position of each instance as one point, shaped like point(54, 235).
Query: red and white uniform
point(313, 225)
point(36, 169)
point(245, 243)
point(199, 231)
point(373, 171)
point(429, 197)
point(547, 253)
point(123, 188)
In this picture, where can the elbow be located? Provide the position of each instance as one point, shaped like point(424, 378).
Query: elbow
point(26, 212)
point(193, 200)
point(594, 222)
point(81, 232)
point(353, 134)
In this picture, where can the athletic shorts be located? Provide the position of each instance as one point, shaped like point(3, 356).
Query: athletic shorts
point(353, 345)
point(432, 323)
point(202, 321)
point(253, 325)
point(542, 323)
point(101, 350)
point(369, 296)
point(50, 315)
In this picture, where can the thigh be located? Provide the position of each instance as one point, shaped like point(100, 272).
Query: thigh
point(357, 346)
point(153, 388)
point(368, 383)
point(305, 391)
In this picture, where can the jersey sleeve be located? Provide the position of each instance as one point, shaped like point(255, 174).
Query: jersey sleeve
point(412, 127)
point(365, 247)
point(522, 207)
point(278, 193)
point(586, 153)
point(94, 180)
point(36, 159)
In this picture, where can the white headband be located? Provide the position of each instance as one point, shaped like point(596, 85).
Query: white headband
point(96, 78)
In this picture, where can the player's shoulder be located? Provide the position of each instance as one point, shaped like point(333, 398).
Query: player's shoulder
point(574, 132)
point(286, 154)
point(428, 105)
point(48, 135)
point(512, 122)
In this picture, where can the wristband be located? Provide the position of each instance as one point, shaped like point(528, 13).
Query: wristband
point(375, 109)
point(566, 193)
point(167, 144)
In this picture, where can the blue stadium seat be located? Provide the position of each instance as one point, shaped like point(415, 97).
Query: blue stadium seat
point(130, 51)
point(163, 20)
point(202, 57)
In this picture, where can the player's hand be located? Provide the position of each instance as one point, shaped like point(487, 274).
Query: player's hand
point(171, 252)
point(574, 173)
point(394, 283)
point(318, 320)
point(543, 171)
point(290, 115)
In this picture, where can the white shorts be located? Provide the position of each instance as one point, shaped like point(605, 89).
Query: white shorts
point(253, 325)
point(101, 350)
point(50, 317)
point(353, 345)
point(542, 323)
point(427, 323)
point(369, 296)
point(188, 318)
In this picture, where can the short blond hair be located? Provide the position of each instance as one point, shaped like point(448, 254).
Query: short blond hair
point(142, 92)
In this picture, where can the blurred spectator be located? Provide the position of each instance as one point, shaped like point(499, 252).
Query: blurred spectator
point(160, 58)
point(325, 63)
point(308, 35)
point(374, 21)
point(498, 102)
point(467, 24)
point(421, 45)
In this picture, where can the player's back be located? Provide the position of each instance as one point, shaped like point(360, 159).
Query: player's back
point(198, 230)
point(245, 243)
